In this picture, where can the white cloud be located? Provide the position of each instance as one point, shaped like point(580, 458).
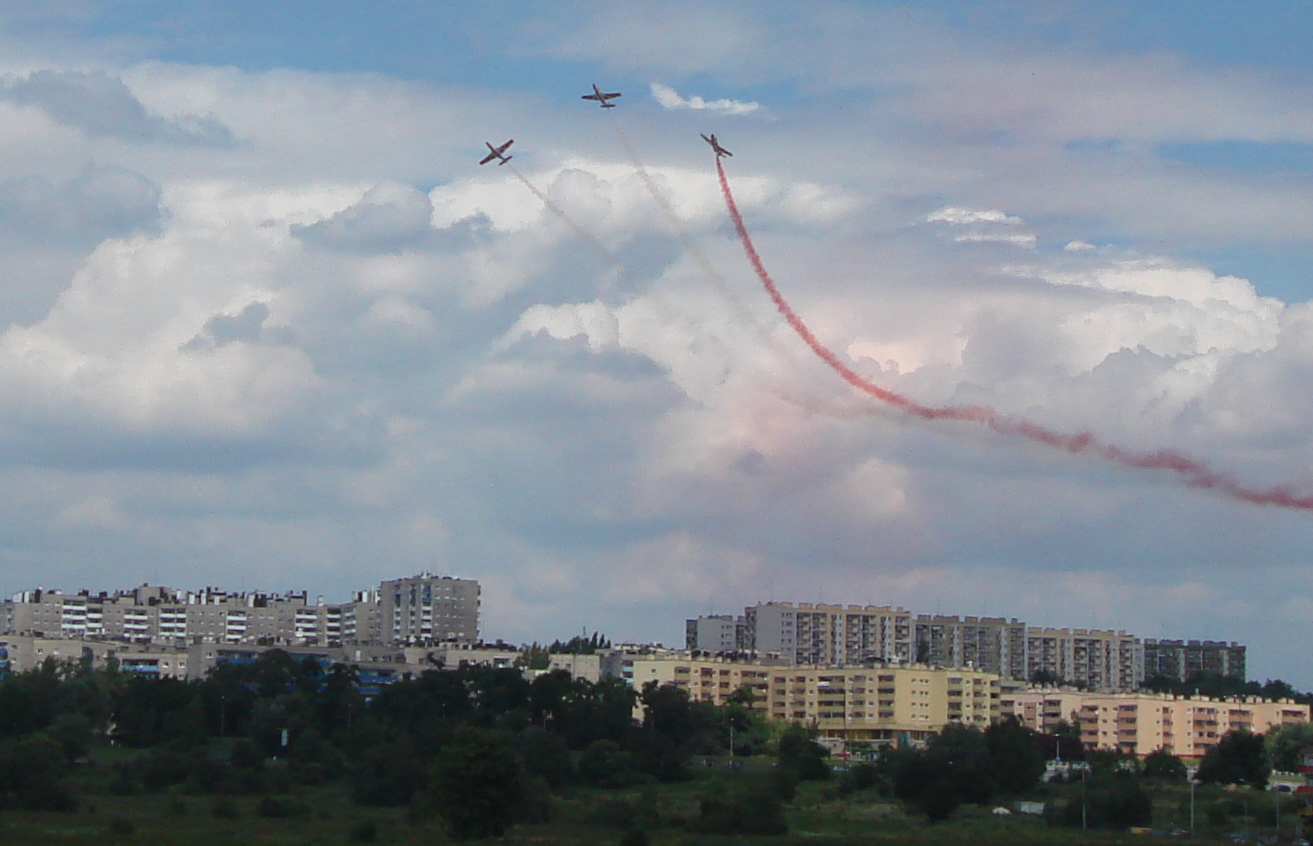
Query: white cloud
point(1017, 239)
point(670, 99)
point(961, 216)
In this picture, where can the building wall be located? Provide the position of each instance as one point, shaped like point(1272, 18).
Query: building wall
point(1181, 659)
point(443, 610)
point(1100, 660)
point(1144, 722)
point(429, 609)
point(851, 703)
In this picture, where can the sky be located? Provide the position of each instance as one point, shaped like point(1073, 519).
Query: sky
point(266, 324)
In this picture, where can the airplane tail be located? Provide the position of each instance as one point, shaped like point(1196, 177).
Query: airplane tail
point(504, 160)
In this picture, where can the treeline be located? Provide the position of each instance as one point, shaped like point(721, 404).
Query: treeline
point(1219, 686)
point(440, 743)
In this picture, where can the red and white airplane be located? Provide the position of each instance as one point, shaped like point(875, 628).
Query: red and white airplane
point(601, 98)
point(715, 145)
point(496, 153)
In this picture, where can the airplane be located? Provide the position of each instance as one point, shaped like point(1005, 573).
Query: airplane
point(601, 98)
point(496, 153)
point(715, 145)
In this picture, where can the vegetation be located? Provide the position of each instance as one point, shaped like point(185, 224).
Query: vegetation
point(285, 751)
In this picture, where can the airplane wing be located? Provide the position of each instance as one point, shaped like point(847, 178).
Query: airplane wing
point(609, 96)
point(488, 158)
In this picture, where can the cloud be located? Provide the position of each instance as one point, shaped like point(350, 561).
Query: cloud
point(1025, 241)
point(100, 202)
point(102, 105)
point(960, 216)
point(388, 218)
point(670, 99)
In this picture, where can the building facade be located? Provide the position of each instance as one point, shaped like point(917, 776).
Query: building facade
point(1141, 723)
point(874, 704)
point(420, 610)
point(1096, 659)
point(1179, 660)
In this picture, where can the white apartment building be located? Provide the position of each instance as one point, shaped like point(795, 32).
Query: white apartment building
point(422, 609)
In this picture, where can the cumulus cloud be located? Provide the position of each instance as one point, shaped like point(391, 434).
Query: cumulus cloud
point(669, 99)
point(387, 218)
point(100, 202)
point(102, 105)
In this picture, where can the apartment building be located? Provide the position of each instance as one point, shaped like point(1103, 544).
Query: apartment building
point(992, 644)
point(1099, 660)
point(421, 609)
point(1141, 723)
point(854, 703)
point(717, 633)
point(1181, 659)
point(427, 609)
point(829, 635)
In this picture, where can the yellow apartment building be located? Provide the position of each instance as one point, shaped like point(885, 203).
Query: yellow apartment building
point(1142, 723)
point(862, 703)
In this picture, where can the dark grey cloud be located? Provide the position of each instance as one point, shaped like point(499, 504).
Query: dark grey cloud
point(103, 106)
point(224, 329)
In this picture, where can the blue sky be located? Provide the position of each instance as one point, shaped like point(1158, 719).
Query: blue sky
point(267, 323)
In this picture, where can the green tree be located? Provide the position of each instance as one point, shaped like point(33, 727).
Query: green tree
point(477, 784)
point(1161, 765)
point(1287, 745)
point(1015, 758)
point(801, 755)
point(1238, 758)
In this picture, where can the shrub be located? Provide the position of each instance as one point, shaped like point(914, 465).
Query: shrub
point(753, 809)
point(363, 831)
point(120, 827)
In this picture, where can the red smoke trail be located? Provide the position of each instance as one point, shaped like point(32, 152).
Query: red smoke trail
point(1194, 473)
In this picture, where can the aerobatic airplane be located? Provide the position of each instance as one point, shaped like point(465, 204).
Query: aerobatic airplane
point(496, 153)
point(601, 98)
point(715, 145)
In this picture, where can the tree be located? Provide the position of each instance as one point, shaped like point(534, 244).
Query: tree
point(800, 754)
point(1238, 758)
point(1161, 765)
point(477, 784)
point(1015, 757)
point(1286, 745)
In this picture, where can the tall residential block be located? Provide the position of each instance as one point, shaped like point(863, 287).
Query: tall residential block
point(421, 610)
point(1181, 659)
point(1097, 659)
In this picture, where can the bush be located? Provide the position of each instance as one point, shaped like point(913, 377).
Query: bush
point(226, 809)
point(363, 831)
point(604, 764)
point(753, 809)
point(119, 827)
point(282, 807)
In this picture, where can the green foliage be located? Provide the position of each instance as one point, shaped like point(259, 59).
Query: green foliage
point(1113, 800)
point(1238, 758)
point(33, 775)
point(801, 755)
point(363, 831)
point(605, 764)
point(545, 755)
point(1015, 758)
point(748, 808)
point(1161, 765)
point(477, 784)
point(388, 775)
point(1286, 745)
